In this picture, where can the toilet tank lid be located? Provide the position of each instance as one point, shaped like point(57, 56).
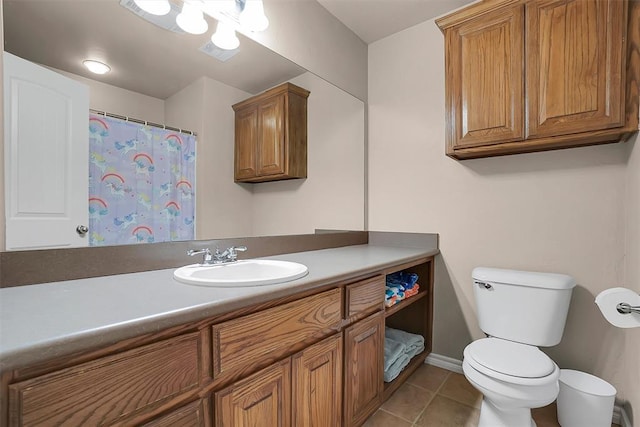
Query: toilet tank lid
point(523, 278)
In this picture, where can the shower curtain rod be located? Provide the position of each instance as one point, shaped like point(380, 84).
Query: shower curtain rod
point(142, 122)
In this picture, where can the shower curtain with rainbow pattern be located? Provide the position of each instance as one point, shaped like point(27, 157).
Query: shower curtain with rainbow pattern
point(141, 183)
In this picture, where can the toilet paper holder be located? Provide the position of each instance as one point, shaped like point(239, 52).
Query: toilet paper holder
point(624, 308)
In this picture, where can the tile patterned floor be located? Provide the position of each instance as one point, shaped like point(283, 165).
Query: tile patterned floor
point(435, 397)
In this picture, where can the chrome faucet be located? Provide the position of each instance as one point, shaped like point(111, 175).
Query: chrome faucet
point(224, 257)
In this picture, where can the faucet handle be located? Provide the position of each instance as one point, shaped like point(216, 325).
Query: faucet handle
point(233, 255)
point(206, 259)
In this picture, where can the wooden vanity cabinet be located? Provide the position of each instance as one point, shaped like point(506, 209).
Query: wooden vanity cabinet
point(271, 135)
point(533, 75)
point(309, 360)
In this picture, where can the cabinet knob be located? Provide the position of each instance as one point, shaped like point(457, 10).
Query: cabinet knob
point(82, 230)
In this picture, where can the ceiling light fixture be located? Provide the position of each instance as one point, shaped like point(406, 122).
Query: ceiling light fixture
point(154, 7)
point(252, 17)
point(191, 19)
point(96, 67)
point(225, 36)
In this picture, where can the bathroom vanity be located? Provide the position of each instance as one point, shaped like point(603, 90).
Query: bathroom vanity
point(143, 349)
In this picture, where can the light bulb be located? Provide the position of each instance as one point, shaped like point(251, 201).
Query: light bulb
point(96, 67)
point(191, 19)
point(252, 17)
point(154, 7)
point(225, 36)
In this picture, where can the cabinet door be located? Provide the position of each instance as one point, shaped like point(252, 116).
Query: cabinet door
point(261, 400)
point(271, 138)
point(363, 371)
point(484, 80)
point(246, 138)
point(317, 384)
point(575, 56)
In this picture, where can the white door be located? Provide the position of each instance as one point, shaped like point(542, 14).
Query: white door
point(46, 157)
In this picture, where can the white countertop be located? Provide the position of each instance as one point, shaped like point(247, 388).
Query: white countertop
point(40, 322)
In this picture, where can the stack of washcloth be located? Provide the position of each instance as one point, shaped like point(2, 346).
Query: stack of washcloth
point(400, 285)
point(399, 348)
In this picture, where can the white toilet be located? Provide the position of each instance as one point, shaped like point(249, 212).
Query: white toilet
point(519, 311)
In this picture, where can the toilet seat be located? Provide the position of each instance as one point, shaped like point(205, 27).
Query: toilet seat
point(511, 362)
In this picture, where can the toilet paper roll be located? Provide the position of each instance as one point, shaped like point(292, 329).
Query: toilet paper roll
point(608, 300)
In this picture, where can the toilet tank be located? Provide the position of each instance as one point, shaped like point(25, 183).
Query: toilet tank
point(522, 306)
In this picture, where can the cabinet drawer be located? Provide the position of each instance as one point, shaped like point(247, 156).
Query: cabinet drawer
point(266, 336)
point(365, 297)
point(108, 389)
point(195, 414)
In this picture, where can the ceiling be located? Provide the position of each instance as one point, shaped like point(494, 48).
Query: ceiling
point(143, 57)
point(156, 62)
point(373, 20)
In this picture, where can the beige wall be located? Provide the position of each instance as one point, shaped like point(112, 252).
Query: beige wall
point(2, 215)
point(112, 99)
point(230, 211)
point(306, 33)
point(560, 211)
point(332, 196)
point(628, 378)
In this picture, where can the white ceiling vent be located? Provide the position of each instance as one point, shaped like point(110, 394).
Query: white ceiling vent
point(168, 21)
point(220, 54)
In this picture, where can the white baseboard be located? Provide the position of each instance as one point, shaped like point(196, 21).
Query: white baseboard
point(620, 416)
point(444, 362)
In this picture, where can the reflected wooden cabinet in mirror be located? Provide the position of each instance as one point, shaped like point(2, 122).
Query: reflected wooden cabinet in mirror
point(271, 135)
point(534, 75)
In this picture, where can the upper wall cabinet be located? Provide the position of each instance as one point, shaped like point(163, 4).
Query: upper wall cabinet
point(271, 135)
point(534, 75)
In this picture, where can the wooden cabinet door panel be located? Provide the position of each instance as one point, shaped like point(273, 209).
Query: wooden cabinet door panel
point(484, 80)
point(110, 389)
point(261, 400)
point(271, 153)
point(363, 371)
point(317, 385)
point(575, 78)
point(246, 140)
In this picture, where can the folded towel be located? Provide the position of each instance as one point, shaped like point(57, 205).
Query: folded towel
point(402, 278)
point(388, 302)
point(411, 292)
point(414, 343)
point(396, 367)
point(392, 350)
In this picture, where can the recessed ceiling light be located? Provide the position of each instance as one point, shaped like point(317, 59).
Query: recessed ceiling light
point(96, 67)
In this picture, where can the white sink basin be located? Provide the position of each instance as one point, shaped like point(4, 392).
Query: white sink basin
point(252, 272)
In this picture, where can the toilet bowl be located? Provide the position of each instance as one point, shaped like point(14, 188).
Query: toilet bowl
point(512, 377)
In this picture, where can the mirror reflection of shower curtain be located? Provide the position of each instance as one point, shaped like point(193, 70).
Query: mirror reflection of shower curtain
point(141, 183)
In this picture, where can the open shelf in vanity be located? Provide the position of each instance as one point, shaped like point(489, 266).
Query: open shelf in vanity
point(414, 315)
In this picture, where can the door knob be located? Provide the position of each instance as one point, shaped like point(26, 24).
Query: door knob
point(82, 229)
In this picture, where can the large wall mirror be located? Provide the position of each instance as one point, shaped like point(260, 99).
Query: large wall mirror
point(183, 81)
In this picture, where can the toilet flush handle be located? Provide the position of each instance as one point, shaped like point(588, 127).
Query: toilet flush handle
point(484, 285)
